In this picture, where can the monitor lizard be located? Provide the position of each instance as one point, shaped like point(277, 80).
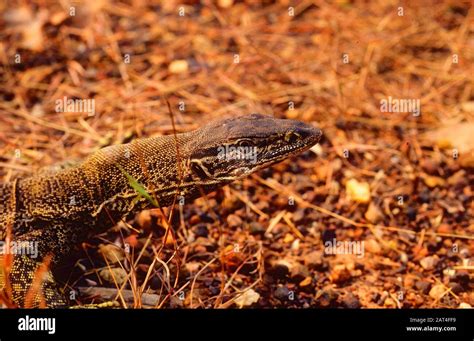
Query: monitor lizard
point(55, 211)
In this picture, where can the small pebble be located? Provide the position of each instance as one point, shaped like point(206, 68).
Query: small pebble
point(462, 277)
point(234, 220)
point(178, 66)
point(423, 286)
point(282, 293)
point(201, 230)
point(455, 287)
point(280, 270)
point(430, 262)
point(326, 297)
point(372, 246)
point(256, 228)
point(373, 213)
point(351, 302)
point(411, 213)
point(437, 291)
point(313, 259)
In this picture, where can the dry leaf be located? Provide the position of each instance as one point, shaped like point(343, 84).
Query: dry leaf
point(57, 18)
point(429, 262)
point(18, 16)
point(466, 160)
point(111, 252)
point(373, 213)
point(317, 149)
point(433, 181)
point(468, 106)
point(437, 291)
point(457, 136)
point(225, 3)
point(288, 238)
point(113, 275)
point(32, 33)
point(358, 191)
point(305, 282)
point(192, 267)
point(178, 66)
point(132, 240)
point(247, 298)
point(372, 246)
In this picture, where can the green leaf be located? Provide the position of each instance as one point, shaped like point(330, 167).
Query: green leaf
point(138, 187)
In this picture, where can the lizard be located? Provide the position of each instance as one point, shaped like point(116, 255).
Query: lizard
point(56, 211)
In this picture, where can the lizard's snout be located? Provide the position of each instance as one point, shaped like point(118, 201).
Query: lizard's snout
point(311, 135)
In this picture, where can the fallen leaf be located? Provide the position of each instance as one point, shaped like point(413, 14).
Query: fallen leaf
point(225, 3)
point(433, 181)
point(132, 240)
point(178, 66)
point(57, 18)
point(372, 246)
point(292, 113)
point(468, 106)
point(373, 213)
point(466, 160)
point(429, 262)
point(358, 191)
point(288, 238)
point(192, 267)
point(111, 252)
point(457, 136)
point(305, 282)
point(317, 149)
point(438, 291)
point(113, 275)
point(247, 298)
point(18, 16)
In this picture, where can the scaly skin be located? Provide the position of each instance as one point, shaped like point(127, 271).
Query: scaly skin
point(59, 210)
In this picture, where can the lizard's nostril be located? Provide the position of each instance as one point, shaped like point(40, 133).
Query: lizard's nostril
point(307, 131)
point(256, 116)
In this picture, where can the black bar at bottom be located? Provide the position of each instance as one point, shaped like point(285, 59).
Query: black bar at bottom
point(268, 324)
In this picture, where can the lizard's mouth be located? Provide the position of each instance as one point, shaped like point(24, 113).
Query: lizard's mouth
point(292, 143)
point(241, 171)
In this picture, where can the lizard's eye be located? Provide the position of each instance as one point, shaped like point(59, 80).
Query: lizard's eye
point(292, 137)
point(244, 143)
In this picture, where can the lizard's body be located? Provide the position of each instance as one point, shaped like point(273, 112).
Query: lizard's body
point(60, 209)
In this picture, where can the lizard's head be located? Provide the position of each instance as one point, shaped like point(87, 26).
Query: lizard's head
point(232, 148)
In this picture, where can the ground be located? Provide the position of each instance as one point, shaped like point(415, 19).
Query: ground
point(380, 214)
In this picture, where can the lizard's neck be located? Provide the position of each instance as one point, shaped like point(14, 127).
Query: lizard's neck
point(100, 191)
point(132, 177)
